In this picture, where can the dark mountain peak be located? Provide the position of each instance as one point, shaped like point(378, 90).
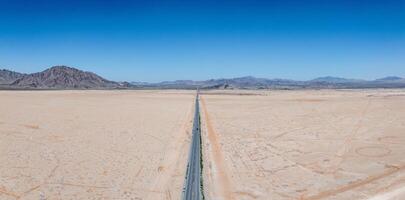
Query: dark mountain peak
point(6, 71)
point(63, 77)
point(62, 68)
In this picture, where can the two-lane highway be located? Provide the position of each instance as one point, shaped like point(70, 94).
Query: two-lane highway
point(192, 187)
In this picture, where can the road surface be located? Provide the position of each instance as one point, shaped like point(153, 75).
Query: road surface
point(192, 186)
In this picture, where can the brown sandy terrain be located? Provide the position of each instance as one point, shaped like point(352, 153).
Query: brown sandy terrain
point(326, 144)
point(94, 144)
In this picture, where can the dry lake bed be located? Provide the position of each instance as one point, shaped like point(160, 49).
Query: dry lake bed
point(325, 144)
point(94, 144)
point(281, 145)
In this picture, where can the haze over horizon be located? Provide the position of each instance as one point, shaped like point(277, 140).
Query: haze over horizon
point(156, 40)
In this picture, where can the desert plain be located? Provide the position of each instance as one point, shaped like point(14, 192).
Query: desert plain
point(307, 144)
point(94, 144)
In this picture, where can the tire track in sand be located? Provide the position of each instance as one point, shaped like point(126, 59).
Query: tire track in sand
point(223, 183)
point(353, 185)
point(164, 180)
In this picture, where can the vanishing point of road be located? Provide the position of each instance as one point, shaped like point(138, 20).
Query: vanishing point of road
point(192, 186)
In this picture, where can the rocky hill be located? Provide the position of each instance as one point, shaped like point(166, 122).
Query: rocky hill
point(63, 77)
point(7, 76)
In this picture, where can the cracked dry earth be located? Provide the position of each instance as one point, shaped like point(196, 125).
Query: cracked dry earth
point(94, 144)
point(326, 144)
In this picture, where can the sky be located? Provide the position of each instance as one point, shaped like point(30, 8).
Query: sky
point(157, 40)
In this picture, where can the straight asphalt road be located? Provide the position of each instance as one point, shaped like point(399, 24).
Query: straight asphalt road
point(192, 186)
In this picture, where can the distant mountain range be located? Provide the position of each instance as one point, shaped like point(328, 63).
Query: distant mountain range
point(249, 82)
point(63, 77)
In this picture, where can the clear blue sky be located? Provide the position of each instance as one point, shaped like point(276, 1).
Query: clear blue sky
point(155, 40)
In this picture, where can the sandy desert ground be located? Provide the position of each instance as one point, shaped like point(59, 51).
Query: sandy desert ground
point(94, 144)
point(326, 144)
